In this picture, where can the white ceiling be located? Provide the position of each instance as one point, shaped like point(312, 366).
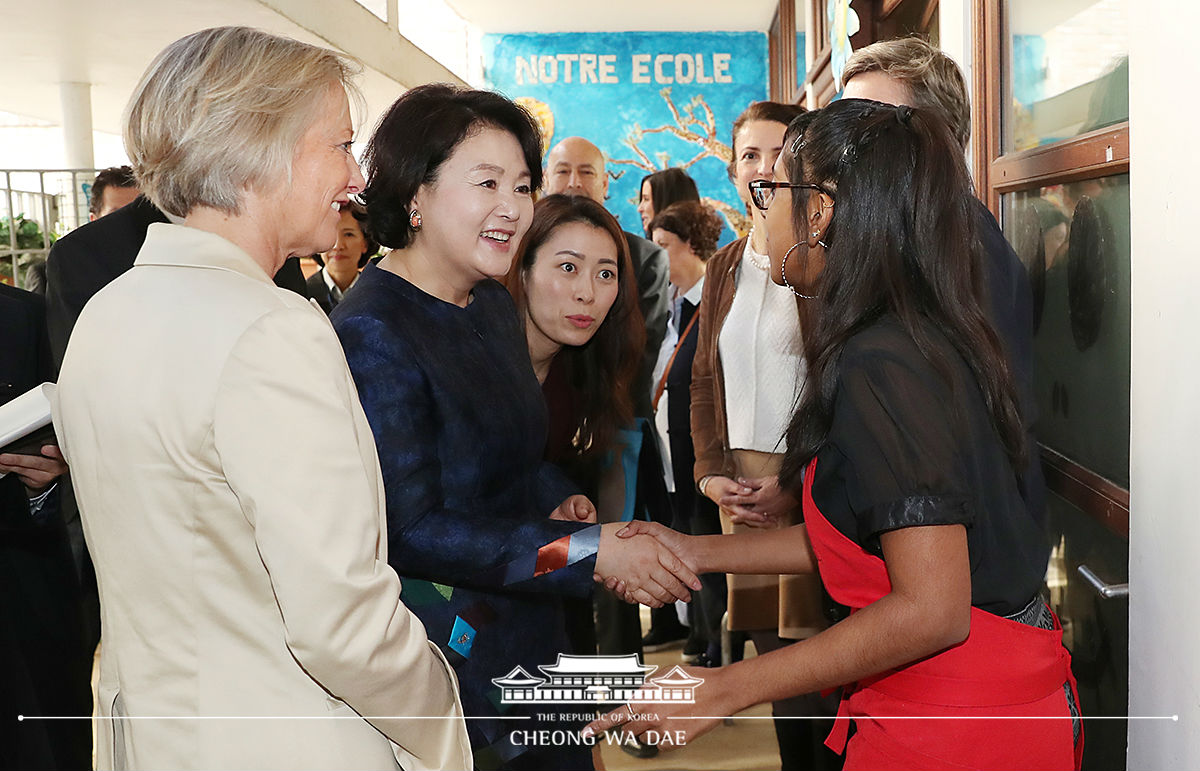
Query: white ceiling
point(109, 43)
point(617, 15)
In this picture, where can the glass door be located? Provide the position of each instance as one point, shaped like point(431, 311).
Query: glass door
point(1053, 163)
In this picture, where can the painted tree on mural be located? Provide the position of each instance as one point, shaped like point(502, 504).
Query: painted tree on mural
point(694, 124)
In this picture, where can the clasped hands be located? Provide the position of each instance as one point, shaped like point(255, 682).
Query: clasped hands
point(758, 502)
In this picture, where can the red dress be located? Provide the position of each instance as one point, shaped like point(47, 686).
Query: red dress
point(1003, 669)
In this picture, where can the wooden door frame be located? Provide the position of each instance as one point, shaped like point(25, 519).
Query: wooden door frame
point(1099, 153)
point(877, 20)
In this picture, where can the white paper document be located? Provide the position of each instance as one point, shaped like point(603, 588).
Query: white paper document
point(25, 421)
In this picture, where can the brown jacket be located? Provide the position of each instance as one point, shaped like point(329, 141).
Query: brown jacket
point(710, 435)
point(710, 431)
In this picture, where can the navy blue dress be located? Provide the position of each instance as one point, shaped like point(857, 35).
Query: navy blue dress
point(460, 424)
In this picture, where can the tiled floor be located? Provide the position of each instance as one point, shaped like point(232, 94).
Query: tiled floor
point(746, 745)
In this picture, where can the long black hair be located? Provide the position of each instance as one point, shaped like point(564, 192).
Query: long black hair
point(902, 241)
point(602, 370)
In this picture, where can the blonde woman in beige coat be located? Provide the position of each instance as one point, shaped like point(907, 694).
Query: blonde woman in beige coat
point(227, 477)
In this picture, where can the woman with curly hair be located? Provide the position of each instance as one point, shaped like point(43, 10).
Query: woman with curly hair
point(688, 232)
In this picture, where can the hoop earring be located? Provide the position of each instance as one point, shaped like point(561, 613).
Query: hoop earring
point(783, 275)
point(414, 220)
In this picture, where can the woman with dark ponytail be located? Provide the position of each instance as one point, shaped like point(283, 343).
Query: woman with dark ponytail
point(905, 450)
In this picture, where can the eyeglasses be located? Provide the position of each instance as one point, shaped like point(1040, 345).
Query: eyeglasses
point(762, 191)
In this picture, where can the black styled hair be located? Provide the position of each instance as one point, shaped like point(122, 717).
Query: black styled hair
point(113, 176)
point(416, 136)
point(902, 241)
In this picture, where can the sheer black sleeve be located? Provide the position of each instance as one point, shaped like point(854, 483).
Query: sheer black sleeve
point(899, 439)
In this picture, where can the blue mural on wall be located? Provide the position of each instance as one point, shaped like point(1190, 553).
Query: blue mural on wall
point(648, 100)
point(801, 62)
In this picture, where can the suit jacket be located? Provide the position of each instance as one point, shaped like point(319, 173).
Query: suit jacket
point(1010, 309)
point(318, 290)
point(651, 269)
point(315, 285)
point(241, 553)
point(45, 668)
point(85, 260)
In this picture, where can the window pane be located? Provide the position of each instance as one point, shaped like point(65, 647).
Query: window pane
point(1066, 69)
point(1074, 240)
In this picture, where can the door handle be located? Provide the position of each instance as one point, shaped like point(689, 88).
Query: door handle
point(1107, 591)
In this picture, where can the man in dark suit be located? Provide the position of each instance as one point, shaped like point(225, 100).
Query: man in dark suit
point(45, 667)
point(85, 260)
point(80, 264)
point(912, 71)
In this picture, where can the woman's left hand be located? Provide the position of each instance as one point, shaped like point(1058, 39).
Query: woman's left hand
point(767, 505)
point(671, 725)
point(577, 508)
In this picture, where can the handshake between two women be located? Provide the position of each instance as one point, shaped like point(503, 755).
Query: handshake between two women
point(635, 565)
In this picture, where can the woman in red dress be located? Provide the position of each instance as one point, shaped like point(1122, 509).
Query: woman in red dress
point(905, 449)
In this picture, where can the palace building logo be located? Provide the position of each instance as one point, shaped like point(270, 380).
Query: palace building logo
point(591, 679)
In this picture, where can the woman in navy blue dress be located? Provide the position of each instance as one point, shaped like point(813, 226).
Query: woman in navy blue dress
point(487, 537)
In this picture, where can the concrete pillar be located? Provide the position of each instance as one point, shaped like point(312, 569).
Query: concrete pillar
point(77, 124)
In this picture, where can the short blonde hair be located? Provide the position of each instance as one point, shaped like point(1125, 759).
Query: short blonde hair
point(222, 111)
point(933, 79)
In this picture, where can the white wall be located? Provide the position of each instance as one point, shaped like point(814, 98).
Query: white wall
point(954, 38)
point(1164, 566)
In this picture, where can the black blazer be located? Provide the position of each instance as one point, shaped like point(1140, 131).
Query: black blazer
point(679, 405)
point(319, 291)
point(85, 260)
point(1010, 309)
point(45, 667)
